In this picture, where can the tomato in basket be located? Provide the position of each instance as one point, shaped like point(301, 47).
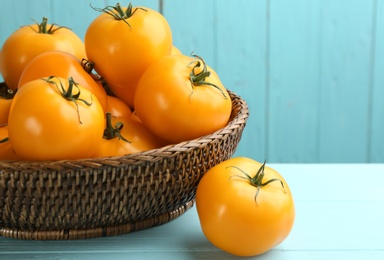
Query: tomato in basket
point(29, 41)
point(55, 119)
point(180, 98)
point(123, 42)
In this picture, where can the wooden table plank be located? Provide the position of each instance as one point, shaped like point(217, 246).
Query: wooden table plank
point(334, 182)
point(338, 217)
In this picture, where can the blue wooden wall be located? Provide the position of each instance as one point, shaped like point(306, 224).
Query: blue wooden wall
point(312, 71)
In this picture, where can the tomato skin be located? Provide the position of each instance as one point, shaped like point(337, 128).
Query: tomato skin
point(139, 137)
point(230, 217)
point(63, 65)
point(6, 150)
point(123, 52)
point(173, 109)
point(45, 126)
point(26, 43)
point(117, 108)
point(5, 106)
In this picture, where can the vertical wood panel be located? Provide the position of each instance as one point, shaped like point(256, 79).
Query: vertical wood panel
point(377, 129)
point(345, 63)
point(294, 76)
point(193, 25)
point(242, 65)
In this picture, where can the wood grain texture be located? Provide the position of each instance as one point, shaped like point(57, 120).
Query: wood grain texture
point(295, 51)
point(193, 25)
point(345, 80)
point(311, 71)
point(242, 62)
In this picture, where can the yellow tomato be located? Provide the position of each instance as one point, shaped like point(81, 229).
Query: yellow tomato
point(123, 42)
point(245, 208)
point(55, 119)
point(29, 41)
point(180, 98)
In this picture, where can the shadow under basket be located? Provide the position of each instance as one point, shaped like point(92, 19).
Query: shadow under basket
point(79, 199)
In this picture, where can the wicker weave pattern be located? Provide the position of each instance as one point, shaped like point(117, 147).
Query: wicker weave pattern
point(111, 196)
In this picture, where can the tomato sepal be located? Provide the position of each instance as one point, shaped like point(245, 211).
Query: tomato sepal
point(198, 79)
point(257, 180)
point(68, 94)
point(118, 13)
point(42, 27)
point(111, 131)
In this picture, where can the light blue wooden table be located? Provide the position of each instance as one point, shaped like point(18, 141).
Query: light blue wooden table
point(340, 213)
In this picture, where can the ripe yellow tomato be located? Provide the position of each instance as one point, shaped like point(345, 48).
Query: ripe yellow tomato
point(55, 119)
point(29, 41)
point(180, 98)
point(123, 43)
point(245, 208)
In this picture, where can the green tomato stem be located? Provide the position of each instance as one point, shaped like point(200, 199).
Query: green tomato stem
point(118, 12)
point(88, 66)
point(69, 94)
point(199, 79)
point(111, 131)
point(257, 180)
point(42, 27)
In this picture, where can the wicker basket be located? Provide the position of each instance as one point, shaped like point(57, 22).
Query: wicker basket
point(110, 196)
